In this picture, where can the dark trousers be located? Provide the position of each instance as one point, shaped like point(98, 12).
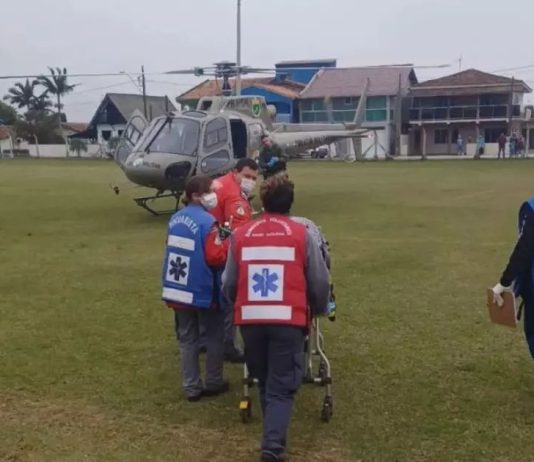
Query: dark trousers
point(501, 149)
point(275, 356)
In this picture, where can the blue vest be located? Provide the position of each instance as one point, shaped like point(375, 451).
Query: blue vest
point(187, 279)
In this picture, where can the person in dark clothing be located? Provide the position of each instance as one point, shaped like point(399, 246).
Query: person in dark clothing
point(272, 160)
point(502, 146)
point(518, 275)
point(277, 278)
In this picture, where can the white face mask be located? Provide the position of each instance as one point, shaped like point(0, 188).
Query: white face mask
point(247, 185)
point(209, 200)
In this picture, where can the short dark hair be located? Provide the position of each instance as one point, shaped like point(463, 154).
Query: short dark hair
point(277, 194)
point(262, 137)
point(200, 184)
point(246, 162)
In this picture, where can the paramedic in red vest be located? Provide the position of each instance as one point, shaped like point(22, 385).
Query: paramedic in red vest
point(233, 208)
point(190, 287)
point(277, 278)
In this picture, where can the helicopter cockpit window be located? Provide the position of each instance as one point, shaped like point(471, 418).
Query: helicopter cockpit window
point(216, 134)
point(177, 136)
point(148, 134)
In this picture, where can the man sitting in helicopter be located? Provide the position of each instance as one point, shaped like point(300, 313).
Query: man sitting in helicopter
point(271, 159)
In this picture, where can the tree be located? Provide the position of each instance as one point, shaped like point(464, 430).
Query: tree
point(41, 103)
point(57, 85)
point(8, 114)
point(38, 126)
point(77, 145)
point(114, 142)
point(22, 95)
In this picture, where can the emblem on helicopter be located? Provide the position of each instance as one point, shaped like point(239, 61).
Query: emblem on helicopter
point(256, 107)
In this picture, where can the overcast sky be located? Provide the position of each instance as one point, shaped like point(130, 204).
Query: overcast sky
point(116, 35)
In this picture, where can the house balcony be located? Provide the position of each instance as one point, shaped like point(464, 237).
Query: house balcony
point(457, 113)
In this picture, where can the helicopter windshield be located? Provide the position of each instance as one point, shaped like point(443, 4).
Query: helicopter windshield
point(175, 136)
point(148, 134)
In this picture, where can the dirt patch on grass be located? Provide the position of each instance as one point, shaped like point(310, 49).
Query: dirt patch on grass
point(37, 429)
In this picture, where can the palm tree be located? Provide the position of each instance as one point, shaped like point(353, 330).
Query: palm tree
point(78, 146)
point(57, 85)
point(41, 102)
point(22, 95)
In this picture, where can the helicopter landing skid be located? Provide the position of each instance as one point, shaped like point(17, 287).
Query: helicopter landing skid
point(143, 203)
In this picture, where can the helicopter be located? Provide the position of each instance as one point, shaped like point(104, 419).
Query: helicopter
point(211, 138)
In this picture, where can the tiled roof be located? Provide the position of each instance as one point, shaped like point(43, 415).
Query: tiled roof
point(6, 132)
point(128, 103)
point(467, 82)
point(342, 82)
point(75, 126)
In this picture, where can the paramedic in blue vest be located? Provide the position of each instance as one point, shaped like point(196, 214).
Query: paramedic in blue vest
point(194, 250)
point(276, 278)
point(520, 271)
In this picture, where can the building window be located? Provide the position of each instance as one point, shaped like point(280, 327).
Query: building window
point(106, 135)
point(376, 115)
point(313, 110)
point(441, 136)
point(344, 116)
point(312, 105)
point(376, 109)
point(344, 104)
point(310, 116)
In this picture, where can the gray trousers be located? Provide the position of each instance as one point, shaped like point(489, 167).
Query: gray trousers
point(189, 322)
point(275, 356)
point(229, 330)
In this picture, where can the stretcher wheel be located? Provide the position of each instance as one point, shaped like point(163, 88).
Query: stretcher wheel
point(245, 410)
point(328, 409)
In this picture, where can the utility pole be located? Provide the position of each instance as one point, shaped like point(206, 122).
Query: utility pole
point(511, 106)
point(460, 63)
point(238, 76)
point(143, 83)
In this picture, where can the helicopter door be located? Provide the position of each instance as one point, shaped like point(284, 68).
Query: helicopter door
point(216, 153)
point(131, 135)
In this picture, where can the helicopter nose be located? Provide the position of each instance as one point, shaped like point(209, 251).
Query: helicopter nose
point(177, 173)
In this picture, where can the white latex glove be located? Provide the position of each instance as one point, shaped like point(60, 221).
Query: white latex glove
point(498, 290)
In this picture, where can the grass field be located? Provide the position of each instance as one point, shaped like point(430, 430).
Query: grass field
point(89, 365)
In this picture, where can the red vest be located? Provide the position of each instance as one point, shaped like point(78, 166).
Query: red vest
point(271, 289)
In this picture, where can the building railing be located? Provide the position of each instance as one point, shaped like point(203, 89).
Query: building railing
point(463, 112)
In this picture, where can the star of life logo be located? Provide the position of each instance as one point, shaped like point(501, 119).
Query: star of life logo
point(265, 283)
point(178, 269)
